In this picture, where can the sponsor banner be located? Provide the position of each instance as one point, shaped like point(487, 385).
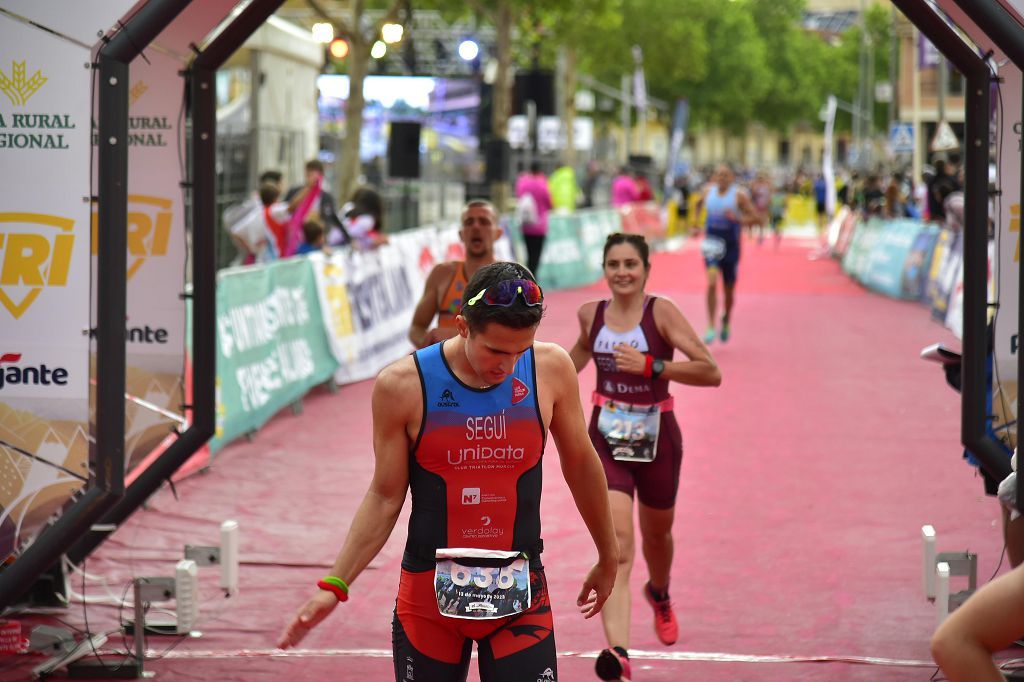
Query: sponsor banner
point(800, 213)
point(1007, 219)
point(573, 247)
point(846, 231)
point(643, 219)
point(885, 263)
point(835, 227)
point(919, 262)
point(955, 312)
point(856, 257)
point(271, 346)
point(563, 262)
point(155, 324)
point(945, 271)
point(368, 297)
point(80, 21)
point(45, 109)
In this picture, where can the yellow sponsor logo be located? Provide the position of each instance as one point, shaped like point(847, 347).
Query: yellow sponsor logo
point(137, 91)
point(1015, 227)
point(32, 257)
point(149, 229)
point(18, 88)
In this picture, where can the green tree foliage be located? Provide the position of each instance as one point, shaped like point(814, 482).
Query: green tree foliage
point(799, 64)
point(737, 76)
point(878, 31)
point(737, 61)
point(673, 36)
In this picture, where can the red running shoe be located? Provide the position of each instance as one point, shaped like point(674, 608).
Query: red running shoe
point(665, 624)
point(611, 665)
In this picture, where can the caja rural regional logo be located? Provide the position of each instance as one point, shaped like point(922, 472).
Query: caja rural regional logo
point(149, 229)
point(35, 253)
point(18, 88)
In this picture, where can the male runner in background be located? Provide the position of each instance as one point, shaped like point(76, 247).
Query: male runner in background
point(728, 208)
point(463, 425)
point(442, 293)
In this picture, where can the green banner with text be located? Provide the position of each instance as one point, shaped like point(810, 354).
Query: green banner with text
point(271, 344)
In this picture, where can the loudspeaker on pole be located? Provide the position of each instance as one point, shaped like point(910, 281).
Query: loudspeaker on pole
point(404, 150)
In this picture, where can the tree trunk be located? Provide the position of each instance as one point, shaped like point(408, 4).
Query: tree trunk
point(502, 92)
point(569, 105)
point(358, 65)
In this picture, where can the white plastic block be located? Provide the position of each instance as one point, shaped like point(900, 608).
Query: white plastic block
point(928, 547)
point(941, 592)
point(186, 588)
point(229, 556)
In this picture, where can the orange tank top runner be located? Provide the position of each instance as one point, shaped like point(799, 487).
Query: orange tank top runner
point(451, 304)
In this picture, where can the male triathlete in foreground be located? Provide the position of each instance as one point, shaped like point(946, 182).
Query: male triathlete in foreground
point(446, 283)
point(467, 419)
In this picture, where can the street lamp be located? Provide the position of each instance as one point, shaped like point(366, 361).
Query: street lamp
point(392, 33)
point(323, 32)
point(469, 50)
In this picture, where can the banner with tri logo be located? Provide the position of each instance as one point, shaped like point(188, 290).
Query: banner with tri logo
point(155, 324)
point(1007, 222)
point(46, 103)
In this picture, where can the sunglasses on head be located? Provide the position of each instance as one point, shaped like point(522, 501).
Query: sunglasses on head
point(504, 293)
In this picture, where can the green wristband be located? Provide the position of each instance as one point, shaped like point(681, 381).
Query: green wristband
point(337, 582)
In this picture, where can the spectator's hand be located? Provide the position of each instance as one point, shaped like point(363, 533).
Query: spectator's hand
point(629, 359)
point(312, 612)
point(434, 335)
point(597, 587)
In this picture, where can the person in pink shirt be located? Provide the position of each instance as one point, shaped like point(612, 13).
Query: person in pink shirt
point(624, 188)
point(533, 220)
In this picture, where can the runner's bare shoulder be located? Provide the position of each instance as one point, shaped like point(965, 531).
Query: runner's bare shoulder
point(553, 362)
point(587, 311)
point(399, 382)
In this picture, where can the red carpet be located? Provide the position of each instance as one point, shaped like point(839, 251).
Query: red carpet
point(806, 479)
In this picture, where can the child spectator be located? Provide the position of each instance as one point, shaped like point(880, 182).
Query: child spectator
point(313, 237)
point(275, 215)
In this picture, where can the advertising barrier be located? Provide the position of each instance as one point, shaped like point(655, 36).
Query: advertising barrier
point(863, 240)
point(367, 298)
point(885, 264)
point(271, 345)
point(45, 161)
point(575, 241)
point(1007, 225)
point(155, 353)
point(946, 265)
point(918, 262)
